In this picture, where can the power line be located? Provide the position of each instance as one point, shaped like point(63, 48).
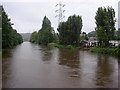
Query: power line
point(60, 12)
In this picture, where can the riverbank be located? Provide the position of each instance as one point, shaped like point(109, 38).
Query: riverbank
point(71, 47)
point(110, 50)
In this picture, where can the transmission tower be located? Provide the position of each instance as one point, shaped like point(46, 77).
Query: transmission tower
point(60, 12)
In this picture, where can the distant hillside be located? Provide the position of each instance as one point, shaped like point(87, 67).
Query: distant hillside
point(26, 36)
point(92, 34)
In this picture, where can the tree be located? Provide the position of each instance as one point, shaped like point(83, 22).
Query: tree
point(69, 31)
point(46, 24)
point(0, 27)
point(105, 22)
point(33, 37)
point(64, 33)
point(10, 37)
point(45, 35)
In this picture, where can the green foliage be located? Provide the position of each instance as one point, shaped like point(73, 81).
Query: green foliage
point(0, 27)
point(56, 45)
point(53, 44)
point(105, 21)
point(69, 31)
point(46, 24)
point(10, 37)
point(71, 47)
point(45, 35)
point(110, 50)
point(33, 37)
point(116, 38)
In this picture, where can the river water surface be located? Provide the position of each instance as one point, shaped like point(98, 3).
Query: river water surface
point(32, 66)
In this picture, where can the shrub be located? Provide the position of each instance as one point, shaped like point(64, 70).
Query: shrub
point(62, 46)
point(52, 44)
point(110, 50)
point(70, 47)
point(56, 45)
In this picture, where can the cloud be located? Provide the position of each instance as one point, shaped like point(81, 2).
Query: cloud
point(27, 15)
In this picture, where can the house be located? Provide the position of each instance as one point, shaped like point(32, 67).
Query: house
point(89, 43)
point(114, 42)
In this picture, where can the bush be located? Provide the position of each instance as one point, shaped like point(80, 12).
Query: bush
point(111, 50)
point(56, 45)
point(70, 47)
point(52, 44)
point(62, 46)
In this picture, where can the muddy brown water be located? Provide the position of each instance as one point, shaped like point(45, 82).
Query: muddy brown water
point(32, 66)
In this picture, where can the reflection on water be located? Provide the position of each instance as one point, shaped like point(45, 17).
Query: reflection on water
point(31, 66)
point(105, 70)
point(0, 71)
point(119, 71)
point(70, 58)
point(46, 53)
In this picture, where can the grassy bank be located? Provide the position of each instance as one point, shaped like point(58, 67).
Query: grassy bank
point(71, 47)
point(111, 50)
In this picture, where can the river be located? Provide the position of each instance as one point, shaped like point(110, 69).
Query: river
point(32, 66)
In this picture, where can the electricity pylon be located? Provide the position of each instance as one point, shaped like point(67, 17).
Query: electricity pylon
point(60, 12)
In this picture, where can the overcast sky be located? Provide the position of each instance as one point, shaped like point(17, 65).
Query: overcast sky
point(27, 15)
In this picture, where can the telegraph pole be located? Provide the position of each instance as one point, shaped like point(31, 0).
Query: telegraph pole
point(60, 12)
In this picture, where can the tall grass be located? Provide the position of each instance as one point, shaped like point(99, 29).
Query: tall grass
point(110, 50)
